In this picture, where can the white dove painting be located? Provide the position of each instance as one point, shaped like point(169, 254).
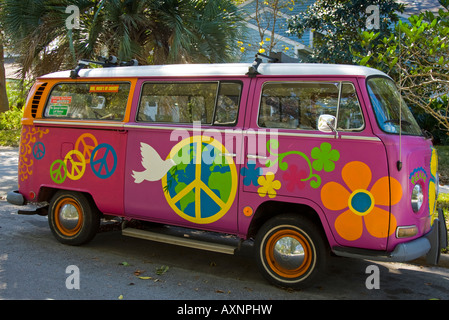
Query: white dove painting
point(155, 167)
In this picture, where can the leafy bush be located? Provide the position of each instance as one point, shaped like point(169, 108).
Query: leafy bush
point(10, 126)
point(11, 120)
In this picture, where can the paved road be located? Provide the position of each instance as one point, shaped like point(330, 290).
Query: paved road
point(33, 265)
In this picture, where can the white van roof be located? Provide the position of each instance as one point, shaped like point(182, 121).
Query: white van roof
point(229, 69)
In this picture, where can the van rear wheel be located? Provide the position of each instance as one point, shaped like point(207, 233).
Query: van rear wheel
point(290, 251)
point(73, 218)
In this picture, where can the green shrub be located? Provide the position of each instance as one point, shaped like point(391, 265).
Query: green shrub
point(10, 127)
point(10, 121)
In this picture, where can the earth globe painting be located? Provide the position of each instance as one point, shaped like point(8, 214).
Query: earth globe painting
point(202, 185)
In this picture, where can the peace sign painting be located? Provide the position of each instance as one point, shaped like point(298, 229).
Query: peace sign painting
point(198, 179)
point(101, 157)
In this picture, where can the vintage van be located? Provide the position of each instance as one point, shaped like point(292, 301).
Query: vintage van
point(306, 159)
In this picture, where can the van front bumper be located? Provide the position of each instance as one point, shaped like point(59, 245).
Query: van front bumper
point(428, 245)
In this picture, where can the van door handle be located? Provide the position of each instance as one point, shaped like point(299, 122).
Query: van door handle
point(252, 156)
point(228, 155)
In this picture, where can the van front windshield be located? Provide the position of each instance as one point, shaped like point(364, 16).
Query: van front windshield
point(389, 107)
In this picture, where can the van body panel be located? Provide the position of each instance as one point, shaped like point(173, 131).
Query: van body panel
point(61, 157)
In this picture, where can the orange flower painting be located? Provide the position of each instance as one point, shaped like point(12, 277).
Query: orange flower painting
point(362, 205)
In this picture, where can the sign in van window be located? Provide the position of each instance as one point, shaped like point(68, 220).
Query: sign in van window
point(298, 105)
point(88, 101)
point(212, 103)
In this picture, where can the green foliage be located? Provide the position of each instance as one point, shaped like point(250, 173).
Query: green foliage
point(10, 127)
point(337, 25)
point(16, 91)
point(416, 55)
point(10, 121)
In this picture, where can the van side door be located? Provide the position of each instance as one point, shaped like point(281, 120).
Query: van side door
point(182, 169)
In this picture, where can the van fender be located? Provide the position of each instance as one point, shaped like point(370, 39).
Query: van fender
point(271, 208)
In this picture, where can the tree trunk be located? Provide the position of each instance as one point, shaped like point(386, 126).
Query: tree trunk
point(4, 104)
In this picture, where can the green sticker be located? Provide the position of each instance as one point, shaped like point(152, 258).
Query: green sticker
point(58, 110)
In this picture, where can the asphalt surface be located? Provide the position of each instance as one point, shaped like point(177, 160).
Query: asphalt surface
point(33, 265)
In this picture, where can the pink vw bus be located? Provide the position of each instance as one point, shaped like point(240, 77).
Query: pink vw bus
point(306, 159)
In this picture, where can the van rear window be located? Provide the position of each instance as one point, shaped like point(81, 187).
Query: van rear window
point(212, 103)
point(88, 101)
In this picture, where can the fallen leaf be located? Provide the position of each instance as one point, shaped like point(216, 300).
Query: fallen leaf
point(120, 297)
point(138, 272)
point(145, 278)
point(162, 270)
point(124, 263)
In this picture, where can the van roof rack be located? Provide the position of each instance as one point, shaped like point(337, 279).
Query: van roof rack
point(273, 57)
point(111, 61)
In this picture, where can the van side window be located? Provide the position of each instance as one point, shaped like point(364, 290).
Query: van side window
point(208, 102)
point(298, 105)
point(89, 101)
point(350, 117)
point(228, 101)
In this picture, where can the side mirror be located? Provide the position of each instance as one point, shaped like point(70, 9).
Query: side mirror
point(326, 123)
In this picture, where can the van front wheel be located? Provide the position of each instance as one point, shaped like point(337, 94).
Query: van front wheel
point(290, 251)
point(72, 217)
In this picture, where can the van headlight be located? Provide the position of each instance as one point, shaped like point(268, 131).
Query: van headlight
point(417, 197)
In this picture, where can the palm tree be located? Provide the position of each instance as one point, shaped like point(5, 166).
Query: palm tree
point(194, 31)
point(154, 32)
point(37, 32)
